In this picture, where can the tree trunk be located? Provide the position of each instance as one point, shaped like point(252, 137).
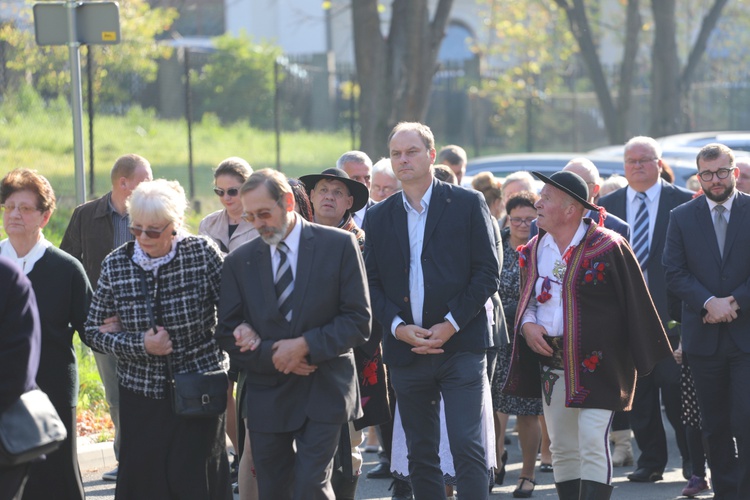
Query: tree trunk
point(665, 70)
point(670, 86)
point(633, 25)
point(581, 30)
point(395, 75)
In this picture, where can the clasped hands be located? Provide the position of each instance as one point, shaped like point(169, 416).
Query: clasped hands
point(289, 355)
point(721, 310)
point(426, 341)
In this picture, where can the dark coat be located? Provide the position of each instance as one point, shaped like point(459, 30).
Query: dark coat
point(611, 221)
point(459, 260)
point(89, 235)
point(330, 309)
point(671, 197)
point(20, 334)
point(696, 270)
point(612, 332)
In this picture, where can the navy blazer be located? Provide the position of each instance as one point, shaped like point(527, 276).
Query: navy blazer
point(459, 262)
point(612, 222)
point(671, 197)
point(695, 271)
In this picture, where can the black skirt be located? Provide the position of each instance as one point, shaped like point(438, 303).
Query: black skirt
point(163, 456)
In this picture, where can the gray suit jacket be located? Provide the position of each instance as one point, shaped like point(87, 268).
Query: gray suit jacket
point(330, 309)
point(671, 197)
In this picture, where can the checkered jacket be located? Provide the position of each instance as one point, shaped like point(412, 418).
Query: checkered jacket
point(184, 295)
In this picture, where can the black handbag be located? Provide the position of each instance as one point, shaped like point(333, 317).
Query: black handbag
point(29, 428)
point(193, 395)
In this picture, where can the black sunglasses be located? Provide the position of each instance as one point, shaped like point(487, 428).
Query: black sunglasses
point(231, 192)
point(151, 233)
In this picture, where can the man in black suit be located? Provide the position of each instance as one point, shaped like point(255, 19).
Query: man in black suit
point(432, 266)
point(645, 204)
point(302, 288)
point(711, 275)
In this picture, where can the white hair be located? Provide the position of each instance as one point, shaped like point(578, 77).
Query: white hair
point(354, 157)
point(159, 199)
point(520, 176)
point(642, 140)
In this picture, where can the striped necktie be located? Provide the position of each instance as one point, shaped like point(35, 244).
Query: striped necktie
point(640, 232)
point(284, 283)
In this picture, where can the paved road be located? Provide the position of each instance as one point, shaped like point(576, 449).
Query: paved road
point(377, 489)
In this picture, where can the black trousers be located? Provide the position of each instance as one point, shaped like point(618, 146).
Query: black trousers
point(724, 401)
point(12, 481)
point(166, 457)
point(305, 475)
point(662, 385)
point(459, 378)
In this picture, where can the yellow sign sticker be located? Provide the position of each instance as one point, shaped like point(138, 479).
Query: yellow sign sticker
point(109, 36)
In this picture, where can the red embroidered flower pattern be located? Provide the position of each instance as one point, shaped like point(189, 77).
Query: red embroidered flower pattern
point(370, 373)
point(592, 362)
point(594, 271)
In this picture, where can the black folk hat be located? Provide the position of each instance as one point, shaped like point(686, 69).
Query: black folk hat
point(358, 190)
point(571, 184)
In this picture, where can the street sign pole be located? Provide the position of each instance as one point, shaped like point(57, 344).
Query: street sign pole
point(75, 23)
point(76, 101)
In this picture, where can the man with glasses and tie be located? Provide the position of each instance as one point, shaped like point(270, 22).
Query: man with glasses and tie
point(95, 229)
point(707, 262)
point(294, 303)
point(645, 204)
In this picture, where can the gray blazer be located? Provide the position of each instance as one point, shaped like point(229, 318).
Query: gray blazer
point(330, 309)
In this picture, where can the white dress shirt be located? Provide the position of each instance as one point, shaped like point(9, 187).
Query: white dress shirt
point(416, 222)
point(359, 215)
point(728, 208)
point(549, 314)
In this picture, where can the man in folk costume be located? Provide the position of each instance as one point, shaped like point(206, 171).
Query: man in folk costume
point(586, 328)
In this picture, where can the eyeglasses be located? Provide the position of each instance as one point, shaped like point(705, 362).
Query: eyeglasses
point(151, 233)
point(231, 192)
point(722, 173)
point(641, 161)
point(262, 215)
point(517, 221)
point(22, 209)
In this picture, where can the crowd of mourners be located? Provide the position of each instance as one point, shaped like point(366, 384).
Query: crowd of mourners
point(401, 307)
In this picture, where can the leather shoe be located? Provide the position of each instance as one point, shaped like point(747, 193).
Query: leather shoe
point(644, 475)
point(401, 490)
point(380, 471)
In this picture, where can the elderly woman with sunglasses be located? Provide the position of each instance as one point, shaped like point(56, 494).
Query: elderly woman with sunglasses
point(63, 293)
point(164, 288)
point(226, 226)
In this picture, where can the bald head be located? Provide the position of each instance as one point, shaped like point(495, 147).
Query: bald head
point(586, 169)
point(743, 181)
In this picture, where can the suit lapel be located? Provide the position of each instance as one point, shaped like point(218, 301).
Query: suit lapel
point(704, 220)
point(438, 201)
point(400, 226)
point(736, 221)
point(662, 217)
point(265, 273)
point(302, 273)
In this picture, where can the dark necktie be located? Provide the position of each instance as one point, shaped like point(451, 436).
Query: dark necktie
point(284, 283)
point(720, 226)
point(640, 232)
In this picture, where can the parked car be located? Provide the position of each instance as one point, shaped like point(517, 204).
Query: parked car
point(735, 140)
point(548, 163)
point(669, 153)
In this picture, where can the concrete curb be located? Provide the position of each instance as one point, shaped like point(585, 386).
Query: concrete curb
point(96, 456)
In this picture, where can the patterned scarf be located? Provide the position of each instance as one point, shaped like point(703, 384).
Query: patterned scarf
point(153, 264)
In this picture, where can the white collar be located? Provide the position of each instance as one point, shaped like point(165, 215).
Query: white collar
point(292, 239)
point(727, 203)
point(25, 263)
point(650, 192)
point(425, 201)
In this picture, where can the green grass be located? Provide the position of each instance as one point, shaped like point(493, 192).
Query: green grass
point(42, 139)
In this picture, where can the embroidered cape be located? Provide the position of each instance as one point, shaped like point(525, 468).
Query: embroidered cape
point(611, 330)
